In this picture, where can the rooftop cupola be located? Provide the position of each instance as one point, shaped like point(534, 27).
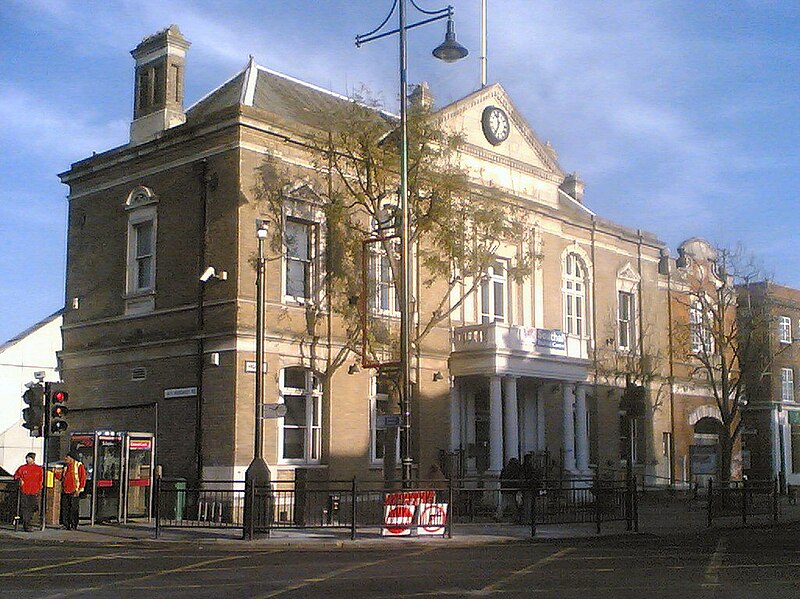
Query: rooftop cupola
point(158, 86)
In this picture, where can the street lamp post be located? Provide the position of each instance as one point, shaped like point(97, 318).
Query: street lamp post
point(449, 51)
point(257, 474)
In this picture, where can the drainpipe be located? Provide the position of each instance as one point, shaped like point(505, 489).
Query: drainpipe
point(594, 344)
point(642, 363)
point(201, 291)
point(670, 336)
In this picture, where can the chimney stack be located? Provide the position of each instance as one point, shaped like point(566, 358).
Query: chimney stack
point(158, 86)
point(573, 186)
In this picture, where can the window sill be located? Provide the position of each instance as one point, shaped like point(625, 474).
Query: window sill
point(301, 302)
point(140, 302)
point(386, 314)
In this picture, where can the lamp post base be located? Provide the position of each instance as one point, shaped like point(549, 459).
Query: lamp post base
point(257, 498)
point(407, 471)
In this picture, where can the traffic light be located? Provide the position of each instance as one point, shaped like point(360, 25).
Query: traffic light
point(33, 415)
point(57, 400)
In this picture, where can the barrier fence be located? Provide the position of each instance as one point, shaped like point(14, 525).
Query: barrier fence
point(743, 499)
point(356, 505)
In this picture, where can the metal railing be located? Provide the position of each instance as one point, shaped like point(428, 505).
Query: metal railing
point(354, 505)
point(743, 499)
point(212, 504)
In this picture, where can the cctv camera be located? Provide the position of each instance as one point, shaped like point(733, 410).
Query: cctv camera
point(207, 274)
point(211, 273)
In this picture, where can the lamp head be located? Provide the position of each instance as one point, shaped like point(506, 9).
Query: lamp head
point(450, 50)
point(261, 228)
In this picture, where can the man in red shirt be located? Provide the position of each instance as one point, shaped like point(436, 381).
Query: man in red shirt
point(73, 481)
point(30, 476)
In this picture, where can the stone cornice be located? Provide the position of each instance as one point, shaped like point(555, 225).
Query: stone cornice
point(518, 165)
point(497, 93)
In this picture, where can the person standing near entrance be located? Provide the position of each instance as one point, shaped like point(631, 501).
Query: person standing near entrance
point(73, 481)
point(30, 476)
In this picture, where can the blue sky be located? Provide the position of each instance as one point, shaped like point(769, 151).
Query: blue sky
point(681, 116)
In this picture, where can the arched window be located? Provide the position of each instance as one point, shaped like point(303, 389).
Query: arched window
point(575, 296)
point(140, 278)
point(301, 438)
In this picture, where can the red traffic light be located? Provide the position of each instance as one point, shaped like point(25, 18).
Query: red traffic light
point(57, 397)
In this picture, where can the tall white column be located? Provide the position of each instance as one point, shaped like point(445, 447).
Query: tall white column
point(455, 415)
point(541, 439)
point(568, 436)
point(495, 425)
point(510, 418)
point(530, 434)
point(469, 425)
point(581, 432)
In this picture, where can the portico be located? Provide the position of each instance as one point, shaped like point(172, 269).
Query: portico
point(504, 379)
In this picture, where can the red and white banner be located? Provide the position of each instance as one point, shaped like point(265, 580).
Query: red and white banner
point(398, 520)
point(432, 519)
point(413, 512)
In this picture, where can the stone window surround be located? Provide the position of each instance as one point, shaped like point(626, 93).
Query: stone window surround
point(141, 204)
point(785, 330)
point(312, 441)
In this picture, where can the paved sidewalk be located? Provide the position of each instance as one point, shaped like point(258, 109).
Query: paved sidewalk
point(659, 515)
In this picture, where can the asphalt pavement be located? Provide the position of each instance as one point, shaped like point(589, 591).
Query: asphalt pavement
point(729, 563)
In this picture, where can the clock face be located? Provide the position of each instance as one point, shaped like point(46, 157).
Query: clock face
point(495, 125)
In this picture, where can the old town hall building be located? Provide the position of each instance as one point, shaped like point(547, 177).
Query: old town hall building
point(154, 340)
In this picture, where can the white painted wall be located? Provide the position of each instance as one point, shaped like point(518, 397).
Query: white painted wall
point(20, 357)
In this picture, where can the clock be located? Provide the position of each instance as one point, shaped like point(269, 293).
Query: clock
point(495, 125)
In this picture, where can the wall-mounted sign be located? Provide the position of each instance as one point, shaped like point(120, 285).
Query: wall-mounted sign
point(180, 392)
point(551, 339)
point(387, 420)
point(250, 366)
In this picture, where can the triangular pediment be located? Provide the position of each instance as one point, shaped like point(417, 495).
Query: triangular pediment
point(520, 163)
point(627, 273)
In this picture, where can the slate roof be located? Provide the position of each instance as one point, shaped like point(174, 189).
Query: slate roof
point(286, 97)
point(31, 329)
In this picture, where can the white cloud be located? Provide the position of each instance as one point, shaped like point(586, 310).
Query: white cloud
point(48, 132)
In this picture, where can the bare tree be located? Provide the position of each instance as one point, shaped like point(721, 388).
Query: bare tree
point(720, 333)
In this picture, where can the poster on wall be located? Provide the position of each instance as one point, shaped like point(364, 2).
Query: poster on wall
point(704, 459)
